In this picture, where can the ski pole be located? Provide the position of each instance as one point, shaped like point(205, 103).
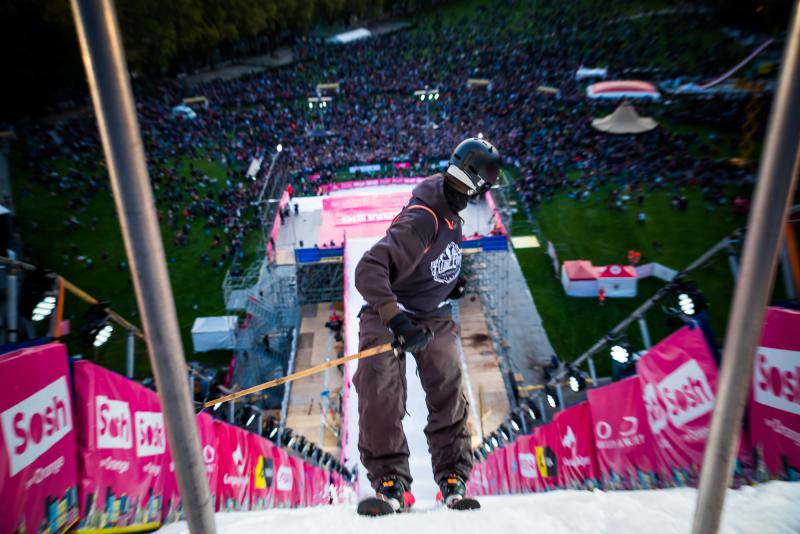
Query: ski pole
point(381, 349)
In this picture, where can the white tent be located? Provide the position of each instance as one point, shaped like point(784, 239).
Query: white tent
point(214, 333)
point(349, 37)
point(579, 278)
point(624, 120)
point(617, 280)
point(623, 89)
point(588, 72)
point(4, 210)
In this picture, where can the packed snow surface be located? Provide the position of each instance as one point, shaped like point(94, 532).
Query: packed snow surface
point(772, 508)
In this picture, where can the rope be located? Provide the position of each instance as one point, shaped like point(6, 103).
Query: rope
point(375, 351)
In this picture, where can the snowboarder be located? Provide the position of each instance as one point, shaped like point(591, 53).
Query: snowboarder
point(407, 279)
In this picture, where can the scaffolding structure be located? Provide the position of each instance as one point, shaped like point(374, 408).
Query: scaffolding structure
point(320, 282)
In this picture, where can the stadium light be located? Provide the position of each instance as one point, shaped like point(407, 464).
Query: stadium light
point(620, 354)
point(279, 148)
point(310, 105)
point(44, 308)
point(552, 400)
point(577, 382)
point(251, 418)
point(422, 98)
point(495, 442)
point(480, 135)
point(103, 335)
point(686, 304)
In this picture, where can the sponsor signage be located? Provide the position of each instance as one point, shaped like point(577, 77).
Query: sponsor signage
point(774, 409)
point(122, 451)
point(38, 457)
point(578, 464)
point(678, 378)
point(626, 451)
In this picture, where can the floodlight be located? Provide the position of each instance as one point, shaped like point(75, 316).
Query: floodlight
point(552, 400)
point(279, 148)
point(44, 308)
point(422, 97)
point(620, 354)
point(686, 304)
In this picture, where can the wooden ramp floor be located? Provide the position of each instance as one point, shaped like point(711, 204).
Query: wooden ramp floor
point(483, 369)
point(316, 344)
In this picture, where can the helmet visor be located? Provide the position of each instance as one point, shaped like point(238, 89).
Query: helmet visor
point(489, 175)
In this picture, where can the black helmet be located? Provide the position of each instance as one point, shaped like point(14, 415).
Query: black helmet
point(473, 167)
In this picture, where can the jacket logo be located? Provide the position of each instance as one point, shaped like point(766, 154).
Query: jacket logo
point(447, 266)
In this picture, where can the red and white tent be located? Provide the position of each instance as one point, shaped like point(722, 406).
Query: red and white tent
point(630, 89)
point(617, 280)
point(582, 279)
point(579, 278)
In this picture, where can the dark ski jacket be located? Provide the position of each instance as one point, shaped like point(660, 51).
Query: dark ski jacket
point(415, 266)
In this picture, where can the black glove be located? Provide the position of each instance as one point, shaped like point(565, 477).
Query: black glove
point(459, 290)
point(408, 337)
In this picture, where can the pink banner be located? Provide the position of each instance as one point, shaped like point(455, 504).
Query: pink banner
point(284, 489)
point(38, 465)
point(235, 467)
point(122, 444)
point(529, 479)
point(625, 447)
point(173, 507)
point(263, 472)
point(358, 184)
point(494, 479)
point(359, 216)
point(577, 463)
point(547, 447)
point(679, 377)
point(775, 402)
point(512, 468)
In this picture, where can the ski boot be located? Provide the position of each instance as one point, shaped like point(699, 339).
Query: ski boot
point(392, 496)
point(452, 490)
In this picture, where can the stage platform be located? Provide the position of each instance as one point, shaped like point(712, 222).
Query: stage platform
point(327, 221)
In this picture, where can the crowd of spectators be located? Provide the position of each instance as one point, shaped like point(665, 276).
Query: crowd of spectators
point(375, 117)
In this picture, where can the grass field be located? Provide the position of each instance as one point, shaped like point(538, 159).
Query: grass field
point(588, 230)
point(196, 286)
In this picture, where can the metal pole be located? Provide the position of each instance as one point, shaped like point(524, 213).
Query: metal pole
point(129, 355)
point(733, 263)
point(560, 394)
point(542, 409)
point(774, 191)
point(786, 271)
point(109, 82)
point(260, 423)
point(645, 333)
point(11, 305)
point(592, 372)
point(231, 411)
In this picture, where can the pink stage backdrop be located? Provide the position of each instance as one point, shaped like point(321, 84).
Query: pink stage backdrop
point(359, 216)
point(122, 445)
point(547, 448)
point(358, 184)
point(625, 447)
point(679, 377)
point(578, 465)
point(38, 465)
point(775, 402)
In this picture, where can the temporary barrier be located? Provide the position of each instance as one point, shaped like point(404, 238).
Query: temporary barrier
point(122, 445)
point(774, 413)
point(38, 464)
point(262, 469)
point(234, 462)
point(679, 378)
point(625, 447)
point(512, 468)
point(547, 448)
point(578, 465)
point(529, 479)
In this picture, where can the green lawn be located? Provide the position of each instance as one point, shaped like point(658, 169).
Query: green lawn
point(588, 230)
point(197, 287)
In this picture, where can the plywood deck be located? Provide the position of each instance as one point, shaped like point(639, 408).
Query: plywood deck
point(483, 369)
point(315, 345)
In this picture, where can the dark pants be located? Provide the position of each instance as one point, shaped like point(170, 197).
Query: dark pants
point(381, 385)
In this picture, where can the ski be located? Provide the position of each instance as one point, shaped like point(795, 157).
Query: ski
point(465, 503)
point(374, 507)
